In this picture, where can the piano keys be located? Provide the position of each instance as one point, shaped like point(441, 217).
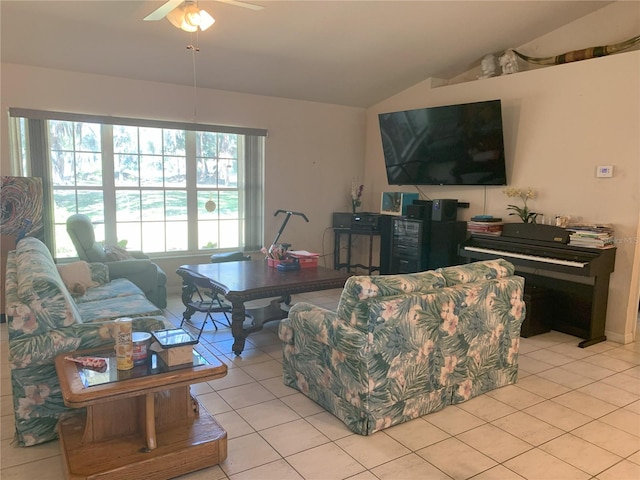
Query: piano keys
point(535, 258)
point(576, 277)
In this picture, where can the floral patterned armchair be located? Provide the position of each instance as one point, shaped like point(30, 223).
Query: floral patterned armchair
point(402, 346)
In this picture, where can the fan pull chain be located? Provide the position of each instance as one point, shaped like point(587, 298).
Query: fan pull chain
point(194, 50)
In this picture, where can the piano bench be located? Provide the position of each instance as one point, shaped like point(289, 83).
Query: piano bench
point(537, 319)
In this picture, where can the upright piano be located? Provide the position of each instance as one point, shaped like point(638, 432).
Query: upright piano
point(577, 278)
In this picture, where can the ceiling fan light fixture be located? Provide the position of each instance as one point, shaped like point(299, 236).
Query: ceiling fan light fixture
point(189, 17)
point(206, 20)
point(192, 15)
point(176, 16)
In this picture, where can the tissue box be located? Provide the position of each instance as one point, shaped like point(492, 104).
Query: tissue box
point(176, 355)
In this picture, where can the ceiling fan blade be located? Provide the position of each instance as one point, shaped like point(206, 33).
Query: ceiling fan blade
point(162, 12)
point(238, 3)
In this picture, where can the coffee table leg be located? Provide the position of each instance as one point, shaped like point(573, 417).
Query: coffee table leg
point(237, 330)
point(150, 422)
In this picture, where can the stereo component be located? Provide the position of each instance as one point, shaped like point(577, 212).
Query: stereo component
point(362, 222)
point(365, 222)
point(420, 210)
point(444, 210)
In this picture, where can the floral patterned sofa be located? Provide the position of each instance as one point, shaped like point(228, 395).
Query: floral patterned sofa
point(45, 320)
point(402, 346)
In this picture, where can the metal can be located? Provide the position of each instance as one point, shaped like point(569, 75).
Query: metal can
point(124, 343)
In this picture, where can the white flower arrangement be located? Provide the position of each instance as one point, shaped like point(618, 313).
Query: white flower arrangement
point(526, 215)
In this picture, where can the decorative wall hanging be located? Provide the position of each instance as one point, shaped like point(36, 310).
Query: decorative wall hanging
point(21, 206)
point(20, 216)
point(584, 54)
point(488, 66)
point(508, 62)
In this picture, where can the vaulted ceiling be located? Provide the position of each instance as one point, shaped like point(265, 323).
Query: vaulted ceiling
point(343, 52)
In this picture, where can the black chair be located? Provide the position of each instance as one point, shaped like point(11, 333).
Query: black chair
point(221, 258)
point(208, 301)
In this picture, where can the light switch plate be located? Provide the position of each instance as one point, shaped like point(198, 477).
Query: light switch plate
point(604, 171)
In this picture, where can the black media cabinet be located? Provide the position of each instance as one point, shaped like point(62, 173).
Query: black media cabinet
point(409, 245)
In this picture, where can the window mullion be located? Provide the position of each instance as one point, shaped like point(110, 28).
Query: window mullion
point(192, 190)
point(108, 184)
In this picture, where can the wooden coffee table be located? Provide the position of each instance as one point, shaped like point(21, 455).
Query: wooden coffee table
point(241, 282)
point(139, 423)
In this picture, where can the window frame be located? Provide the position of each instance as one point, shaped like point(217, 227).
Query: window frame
point(250, 181)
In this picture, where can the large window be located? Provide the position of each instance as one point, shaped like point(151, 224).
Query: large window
point(161, 188)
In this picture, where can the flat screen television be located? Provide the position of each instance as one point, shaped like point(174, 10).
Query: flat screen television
point(450, 145)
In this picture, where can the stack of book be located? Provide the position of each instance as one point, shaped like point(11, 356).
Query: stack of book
point(594, 236)
point(485, 225)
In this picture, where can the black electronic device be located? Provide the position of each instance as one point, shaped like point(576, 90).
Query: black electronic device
point(444, 210)
point(410, 245)
point(579, 305)
point(385, 224)
point(342, 220)
point(420, 210)
point(448, 145)
point(365, 222)
point(416, 211)
point(444, 240)
point(535, 231)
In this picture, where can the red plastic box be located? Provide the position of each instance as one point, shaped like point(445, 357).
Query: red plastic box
point(306, 261)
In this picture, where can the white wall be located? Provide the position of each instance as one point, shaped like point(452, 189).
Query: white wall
point(312, 151)
point(560, 123)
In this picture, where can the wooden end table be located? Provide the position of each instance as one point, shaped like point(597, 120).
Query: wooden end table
point(139, 423)
point(240, 282)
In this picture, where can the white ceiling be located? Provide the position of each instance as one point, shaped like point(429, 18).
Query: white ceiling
point(344, 52)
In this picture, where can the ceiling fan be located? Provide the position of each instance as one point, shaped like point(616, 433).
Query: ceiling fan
point(186, 15)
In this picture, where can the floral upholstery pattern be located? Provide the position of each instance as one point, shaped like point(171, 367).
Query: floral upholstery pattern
point(403, 355)
point(44, 320)
point(359, 288)
point(99, 273)
point(116, 288)
point(476, 272)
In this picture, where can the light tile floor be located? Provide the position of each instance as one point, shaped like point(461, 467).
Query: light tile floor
point(574, 414)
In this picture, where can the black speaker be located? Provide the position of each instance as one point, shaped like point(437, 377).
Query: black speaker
point(420, 210)
point(444, 210)
point(385, 224)
point(445, 238)
point(415, 211)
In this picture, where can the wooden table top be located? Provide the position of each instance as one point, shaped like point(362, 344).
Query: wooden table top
point(255, 279)
point(77, 395)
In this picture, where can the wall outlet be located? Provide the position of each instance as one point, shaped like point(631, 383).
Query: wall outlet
point(604, 171)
